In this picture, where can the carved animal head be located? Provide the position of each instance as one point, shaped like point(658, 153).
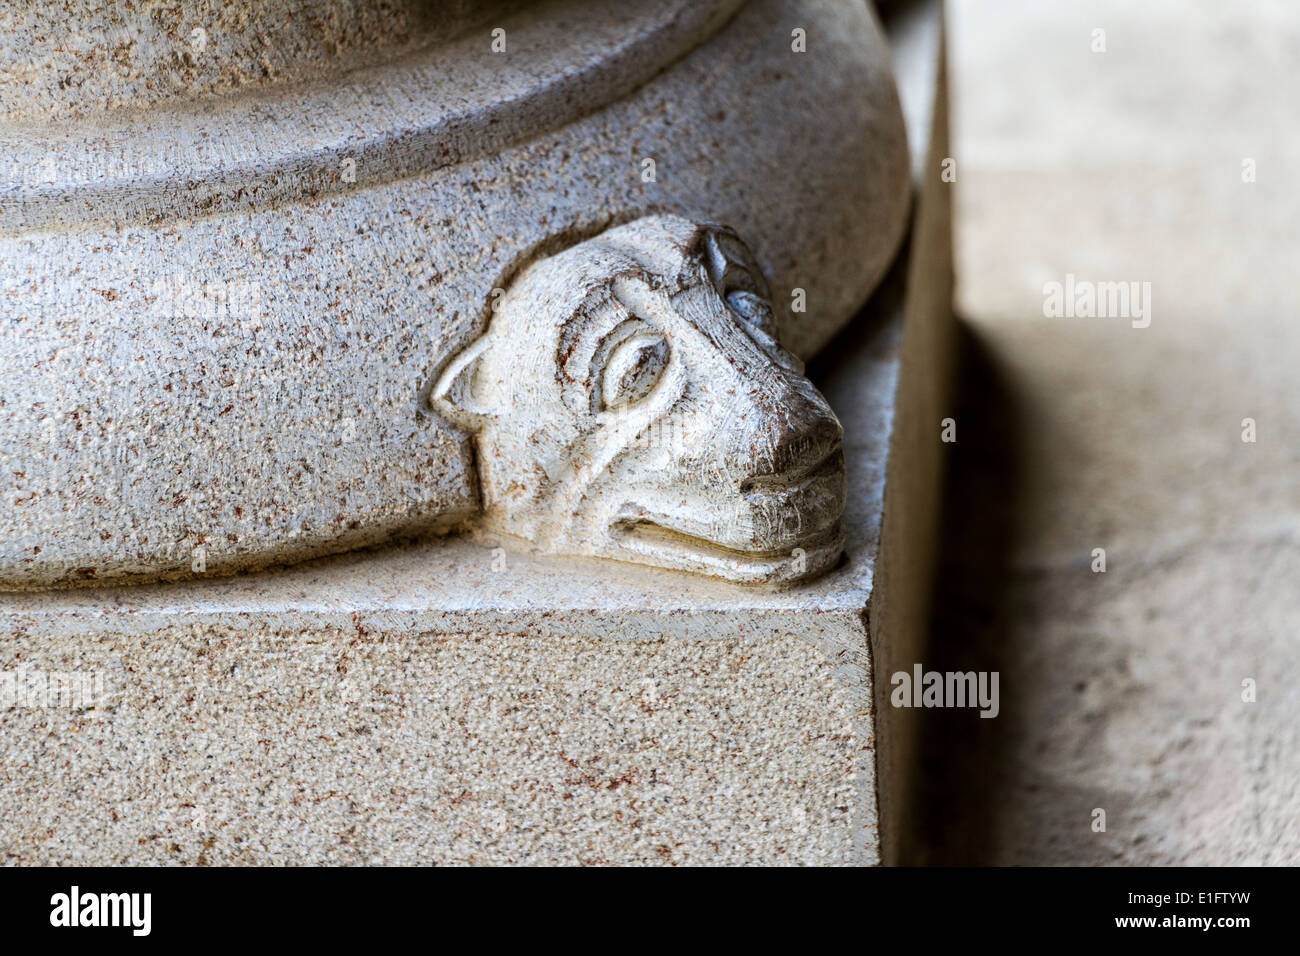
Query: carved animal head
point(630, 400)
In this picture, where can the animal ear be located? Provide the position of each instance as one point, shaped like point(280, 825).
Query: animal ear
point(731, 264)
point(454, 394)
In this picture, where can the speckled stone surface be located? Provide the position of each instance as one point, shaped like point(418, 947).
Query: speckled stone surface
point(457, 700)
point(220, 323)
point(450, 701)
point(364, 743)
point(62, 61)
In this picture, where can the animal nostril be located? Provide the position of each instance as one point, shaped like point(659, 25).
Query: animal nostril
point(800, 448)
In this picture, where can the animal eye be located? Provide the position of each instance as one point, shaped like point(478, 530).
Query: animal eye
point(633, 369)
point(755, 314)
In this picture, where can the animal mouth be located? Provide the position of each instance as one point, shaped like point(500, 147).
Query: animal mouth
point(781, 559)
point(657, 545)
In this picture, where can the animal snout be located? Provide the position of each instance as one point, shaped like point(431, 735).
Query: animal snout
point(799, 444)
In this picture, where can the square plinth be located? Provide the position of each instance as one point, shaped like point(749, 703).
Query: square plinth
point(461, 700)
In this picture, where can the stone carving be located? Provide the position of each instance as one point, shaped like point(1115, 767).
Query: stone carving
point(630, 400)
point(219, 326)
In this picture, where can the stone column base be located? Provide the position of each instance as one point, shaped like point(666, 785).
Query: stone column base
point(457, 701)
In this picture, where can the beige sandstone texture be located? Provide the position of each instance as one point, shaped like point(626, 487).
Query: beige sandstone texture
point(72, 61)
point(357, 742)
point(1123, 691)
point(223, 316)
point(472, 700)
point(455, 700)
